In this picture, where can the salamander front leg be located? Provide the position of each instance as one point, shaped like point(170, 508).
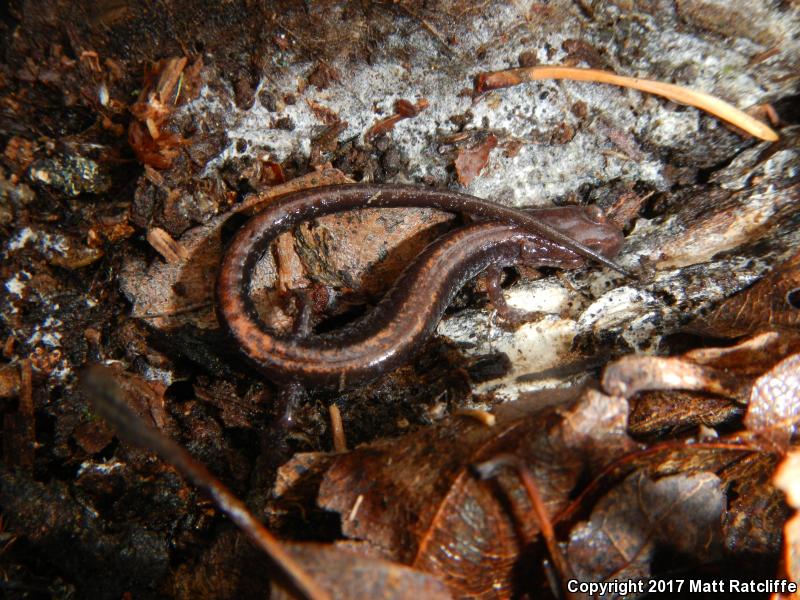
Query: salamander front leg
point(510, 316)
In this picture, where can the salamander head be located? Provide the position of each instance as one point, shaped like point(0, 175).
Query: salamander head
point(587, 225)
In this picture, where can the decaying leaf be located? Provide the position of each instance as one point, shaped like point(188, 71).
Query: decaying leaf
point(772, 303)
point(415, 500)
point(470, 162)
point(671, 412)
point(680, 512)
point(774, 408)
point(728, 372)
point(345, 575)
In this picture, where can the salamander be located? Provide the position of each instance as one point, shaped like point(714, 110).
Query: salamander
point(387, 336)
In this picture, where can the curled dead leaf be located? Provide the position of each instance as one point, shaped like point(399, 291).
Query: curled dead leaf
point(728, 372)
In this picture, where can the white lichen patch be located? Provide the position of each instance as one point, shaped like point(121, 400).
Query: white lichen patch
point(46, 243)
point(46, 333)
point(16, 284)
point(540, 171)
point(613, 308)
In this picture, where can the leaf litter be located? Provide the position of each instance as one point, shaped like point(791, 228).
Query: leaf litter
point(685, 475)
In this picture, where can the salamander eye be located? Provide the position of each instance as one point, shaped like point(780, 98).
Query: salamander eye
point(596, 214)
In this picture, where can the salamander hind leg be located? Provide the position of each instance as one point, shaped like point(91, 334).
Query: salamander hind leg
point(303, 322)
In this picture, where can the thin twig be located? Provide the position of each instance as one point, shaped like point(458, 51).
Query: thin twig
point(181, 310)
point(428, 27)
point(712, 105)
point(108, 401)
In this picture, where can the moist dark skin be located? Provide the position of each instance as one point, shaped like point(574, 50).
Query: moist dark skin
point(390, 334)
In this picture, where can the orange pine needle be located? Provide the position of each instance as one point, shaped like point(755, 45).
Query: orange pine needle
point(710, 104)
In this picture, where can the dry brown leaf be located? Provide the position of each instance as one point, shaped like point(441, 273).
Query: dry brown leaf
point(416, 501)
point(670, 412)
point(633, 374)
point(772, 303)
